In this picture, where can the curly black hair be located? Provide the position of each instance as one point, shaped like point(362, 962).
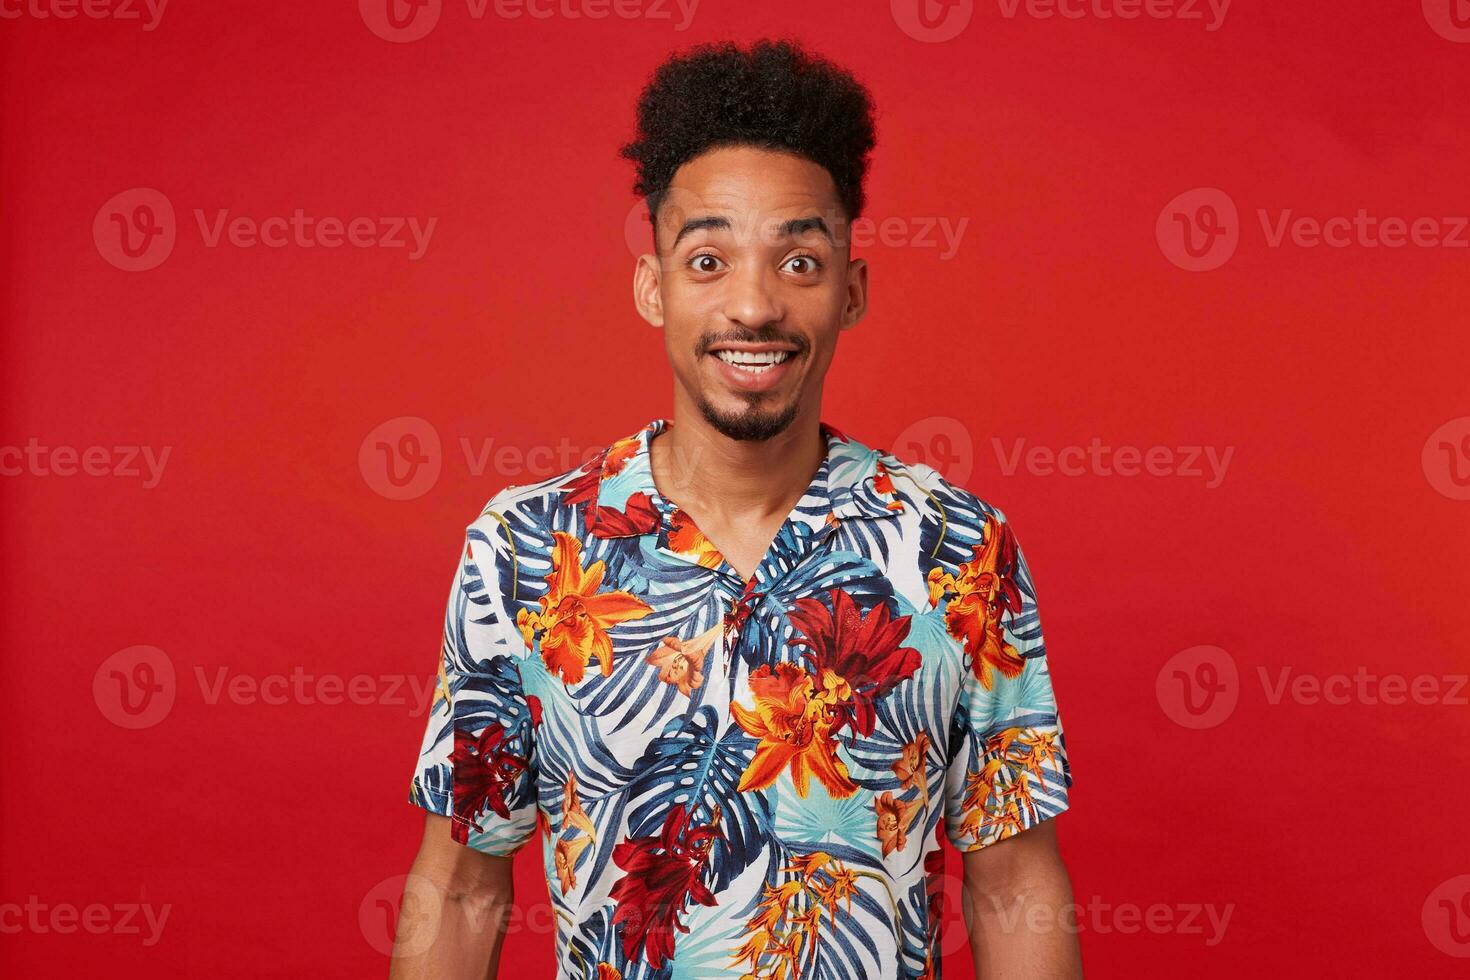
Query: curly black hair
point(774, 95)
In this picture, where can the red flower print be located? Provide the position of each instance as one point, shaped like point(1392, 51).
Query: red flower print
point(739, 612)
point(485, 768)
point(638, 515)
point(855, 659)
point(663, 873)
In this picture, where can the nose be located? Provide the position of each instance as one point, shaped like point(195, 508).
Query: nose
point(751, 298)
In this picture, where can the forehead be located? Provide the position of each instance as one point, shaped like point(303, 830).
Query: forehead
point(750, 184)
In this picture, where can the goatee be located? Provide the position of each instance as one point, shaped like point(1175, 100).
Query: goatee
point(753, 424)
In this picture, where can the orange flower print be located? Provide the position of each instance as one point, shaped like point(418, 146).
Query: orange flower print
point(839, 890)
point(794, 729)
point(1042, 750)
point(565, 858)
point(688, 540)
point(681, 662)
point(996, 807)
point(883, 485)
point(606, 971)
point(575, 618)
point(809, 864)
point(894, 817)
point(572, 814)
point(980, 791)
point(978, 597)
point(618, 455)
point(910, 765)
point(781, 941)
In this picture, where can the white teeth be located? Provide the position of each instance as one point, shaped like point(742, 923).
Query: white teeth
point(756, 362)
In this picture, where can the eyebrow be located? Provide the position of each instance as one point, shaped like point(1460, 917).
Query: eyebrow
point(788, 229)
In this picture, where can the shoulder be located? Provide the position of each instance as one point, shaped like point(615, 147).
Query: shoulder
point(925, 489)
point(535, 506)
point(597, 492)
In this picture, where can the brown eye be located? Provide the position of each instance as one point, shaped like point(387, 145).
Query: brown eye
point(706, 263)
point(803, 265)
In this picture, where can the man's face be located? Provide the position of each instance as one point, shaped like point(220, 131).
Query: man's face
point(752, 284)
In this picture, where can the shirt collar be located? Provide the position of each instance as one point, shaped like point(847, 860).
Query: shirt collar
point(850, 483)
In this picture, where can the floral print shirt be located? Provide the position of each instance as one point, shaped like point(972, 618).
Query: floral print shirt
point(739, 777)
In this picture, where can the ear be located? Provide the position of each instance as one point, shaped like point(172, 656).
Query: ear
point(857, 294)
point(646, 295)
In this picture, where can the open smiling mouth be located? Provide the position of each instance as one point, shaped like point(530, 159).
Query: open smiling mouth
point(756, 362)
point(755, 368)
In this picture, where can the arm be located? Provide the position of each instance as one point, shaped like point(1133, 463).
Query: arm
point(453, 915)
point(1019, 911)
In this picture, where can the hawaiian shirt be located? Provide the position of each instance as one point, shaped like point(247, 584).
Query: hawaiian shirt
point(740, 777)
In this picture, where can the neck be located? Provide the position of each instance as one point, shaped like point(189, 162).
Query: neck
point(695, 465)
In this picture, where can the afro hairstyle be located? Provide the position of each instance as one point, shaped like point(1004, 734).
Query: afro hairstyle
point(773, 95)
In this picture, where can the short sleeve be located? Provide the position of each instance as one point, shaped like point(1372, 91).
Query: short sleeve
point(1007, 768)
point(477, 763)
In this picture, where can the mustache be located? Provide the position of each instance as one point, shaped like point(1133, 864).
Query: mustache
point(766, 335)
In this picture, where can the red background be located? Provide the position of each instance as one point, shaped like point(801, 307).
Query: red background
point(264, 548)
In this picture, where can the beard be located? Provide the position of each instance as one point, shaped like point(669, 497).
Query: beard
point(750, 424)
point(754, 422)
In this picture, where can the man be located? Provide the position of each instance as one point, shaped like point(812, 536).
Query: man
point(744, 675)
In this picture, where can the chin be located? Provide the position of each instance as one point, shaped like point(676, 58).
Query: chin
point(753, 423)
